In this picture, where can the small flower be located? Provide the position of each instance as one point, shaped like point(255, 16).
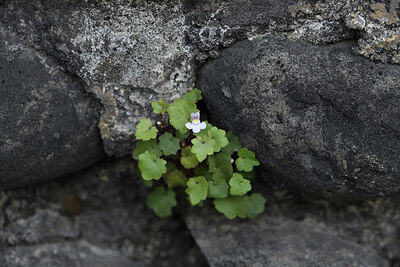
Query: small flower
point(196, 125)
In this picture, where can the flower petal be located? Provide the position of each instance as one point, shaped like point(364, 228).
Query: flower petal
point(202, 125)
point(189, 125)
point(196, 128)
point(193, 115)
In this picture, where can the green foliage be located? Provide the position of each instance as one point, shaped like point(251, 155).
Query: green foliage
point(159, 106)
point(188, 159)
point(143, 146)
point(145, 131)
point(169, 144)
point(194, 95)
point(179, 114)
point(198, 165)
point(197, 188)
point(239, 185)
point(246, 161)
point(161, 201)
point(203, 146)
point(151, 166)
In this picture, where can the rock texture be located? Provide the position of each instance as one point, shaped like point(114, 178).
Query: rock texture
point(48, 121)
point(93, 218)
point(297, 231)
point(127, 53)
point(320, 117)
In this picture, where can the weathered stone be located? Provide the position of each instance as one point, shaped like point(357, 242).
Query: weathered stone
point(298, 231)
point(127, 52)
point(48, 121)
point(94, 218)
point(322, 118)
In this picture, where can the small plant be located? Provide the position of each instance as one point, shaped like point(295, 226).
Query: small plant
point(194, 159)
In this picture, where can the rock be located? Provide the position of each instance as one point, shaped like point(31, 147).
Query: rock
point(299, 231)
point(128, 53)
point(323, 119)
point(48, 121)
point(260, 244)
point(96, 217)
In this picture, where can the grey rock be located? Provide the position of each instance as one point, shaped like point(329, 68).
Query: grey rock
point(258, 243)
point(321, 118)
point(128, 53)
point(96, 217)
point(48, 121)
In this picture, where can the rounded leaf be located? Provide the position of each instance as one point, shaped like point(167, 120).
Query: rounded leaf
point(254, 205)
point(143, 146)
point(239, 185)
point(197, 189)
point(151, 166)
point(179, 114)
point(169, 144)
point(145, 130)
point(231, 207)
point(159, 106)
point(188, 159)
point(161, 201)
point(246, 161)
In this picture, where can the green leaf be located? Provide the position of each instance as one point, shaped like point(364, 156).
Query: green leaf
point(231, 207)
point(188, 159)
point(218, 188)
point(161, 201)
point(246, 161)
point(159, 106)
point(202, 170)
point(193, 95)
point(220, 165)
point(204, 133)
point(176, 178)
point(239, 185)
point(219, 137)
point(254, 205)
point(151, 166)
point(169, 144)
point(234, 143)
point(203, 146)
point(179, 114)
point(182, 136)
point(197, 189)
point(145, 131)
point(143, 146)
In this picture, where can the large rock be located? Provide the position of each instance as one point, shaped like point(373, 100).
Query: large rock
point(96, 218)
point(319, 117)
point(296, 231)
point(48, 121)
point(128, 53)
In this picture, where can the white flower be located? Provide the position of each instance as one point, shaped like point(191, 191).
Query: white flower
point(196, 125)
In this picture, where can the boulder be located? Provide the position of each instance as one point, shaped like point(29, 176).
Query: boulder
point(319, 117)
point(48, 121)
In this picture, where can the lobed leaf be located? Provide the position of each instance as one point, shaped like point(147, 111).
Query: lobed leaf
point(159, 106)
point(220, 166)
point(219, 137)
point(197, 189)
point(246, 161)
point(188, 159)
point(254, 205)
point(218, 188)
point(239, 185)
point(176, 178)
point(145, 131)
point(231, 206)
point(193, 95)
point(234, 143)
point(169, 144)
point(151, 166)
point(143, 146)
point(203, 146)
point(179, 114)
point(161, 201)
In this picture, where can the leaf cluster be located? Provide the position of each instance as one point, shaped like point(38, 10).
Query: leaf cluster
point(211, 164)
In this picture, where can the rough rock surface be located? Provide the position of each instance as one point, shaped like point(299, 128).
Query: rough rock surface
point(93, 218)
point(296, 231)
point(48, 121)
point(127, 53)
point(322, 118)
